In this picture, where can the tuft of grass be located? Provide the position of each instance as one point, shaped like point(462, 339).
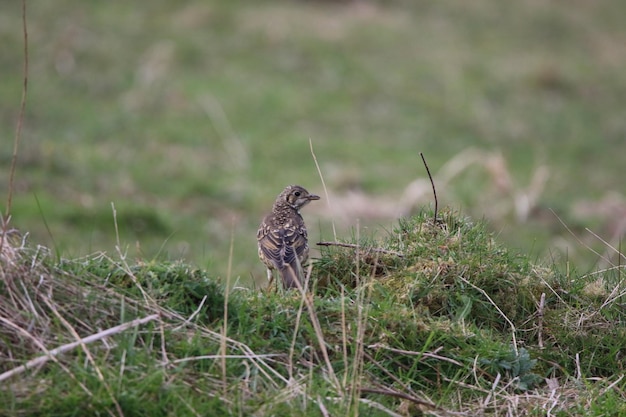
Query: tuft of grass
point(173, 285)
point(433, 319)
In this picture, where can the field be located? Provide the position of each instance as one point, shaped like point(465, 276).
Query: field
point(156, 137)
point(191, 118)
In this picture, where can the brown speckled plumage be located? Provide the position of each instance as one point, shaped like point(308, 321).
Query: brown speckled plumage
point(282, 236)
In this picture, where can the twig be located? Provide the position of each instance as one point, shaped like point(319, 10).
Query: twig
point(433, 185)
point(354, 246)
point(89, 339)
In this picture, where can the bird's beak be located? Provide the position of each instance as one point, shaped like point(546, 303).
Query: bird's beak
point(314, 197)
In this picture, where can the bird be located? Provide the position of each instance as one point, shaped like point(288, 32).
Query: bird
point(282, 236)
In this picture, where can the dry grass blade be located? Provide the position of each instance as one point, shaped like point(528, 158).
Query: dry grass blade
point(88, 354)
point(20, 123)
point(411, 353)
point(397, 394)
point(51, 354)
point(42, 359)
point(292, 347)
point(484, 293)
point(231, 142)
point(322, 407)
point(365, 249)
point(583, 244)
point(319, 171)
point(378, 406)
point(308, 301)
point(194, 314)
point(226, 293)
point(199, 358)
point(540, 315)
point(607, 244)
point(122, 256)
point(257, 361)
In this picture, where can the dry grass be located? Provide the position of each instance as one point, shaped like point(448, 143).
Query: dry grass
point(393, 336)
point(437, 319)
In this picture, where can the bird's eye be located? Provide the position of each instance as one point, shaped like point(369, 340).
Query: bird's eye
point(297, 193)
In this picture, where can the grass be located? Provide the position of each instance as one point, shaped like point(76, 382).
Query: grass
point(434, 318)
point(179, 114)
point(155, 138)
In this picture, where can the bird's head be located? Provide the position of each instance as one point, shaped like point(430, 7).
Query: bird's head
point(296, 197)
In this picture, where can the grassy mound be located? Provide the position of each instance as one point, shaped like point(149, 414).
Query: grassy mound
point(434, 319)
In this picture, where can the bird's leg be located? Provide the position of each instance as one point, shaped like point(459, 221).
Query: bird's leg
point(300, 272)
point(270, 278)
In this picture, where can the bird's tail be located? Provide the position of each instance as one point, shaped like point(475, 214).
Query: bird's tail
point(292, 274)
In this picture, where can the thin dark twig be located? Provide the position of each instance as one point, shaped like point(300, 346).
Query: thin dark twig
point(431, 183)
point(353, 246)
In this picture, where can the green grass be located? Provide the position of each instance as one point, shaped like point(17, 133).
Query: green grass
point(157, 137)
point(191, 118)
point(427, 319)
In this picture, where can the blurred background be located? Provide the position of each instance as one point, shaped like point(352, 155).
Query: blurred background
point(190, 117)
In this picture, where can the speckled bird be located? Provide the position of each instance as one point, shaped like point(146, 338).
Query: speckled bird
point(282, 236)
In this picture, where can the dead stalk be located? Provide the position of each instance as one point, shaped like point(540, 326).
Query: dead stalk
point(367, 249)
point(319, 171)
point(51, 354)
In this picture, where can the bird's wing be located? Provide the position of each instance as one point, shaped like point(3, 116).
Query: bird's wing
point(283, 245)
point(299, 243)
point(293, 247)
point(271, 245)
